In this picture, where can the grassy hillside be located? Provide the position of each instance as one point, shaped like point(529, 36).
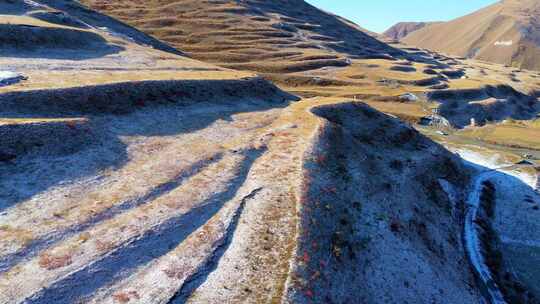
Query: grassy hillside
point(265, 36)
point(505, 33)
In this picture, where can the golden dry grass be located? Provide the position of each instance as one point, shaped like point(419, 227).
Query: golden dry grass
point(282, 133)
point(269, 37)
point(511, 134)
point(66, 79)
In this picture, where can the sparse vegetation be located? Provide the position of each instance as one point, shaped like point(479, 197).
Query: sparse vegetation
point(135, 174)
point(51, 261)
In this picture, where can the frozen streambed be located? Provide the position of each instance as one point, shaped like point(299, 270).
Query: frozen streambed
point(9, 78)
point(516, 220)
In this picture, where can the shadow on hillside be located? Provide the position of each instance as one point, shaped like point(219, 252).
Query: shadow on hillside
point(96, 19)
point(25, 41)
point(485, 105)
point(353, 133)
point(14, 7)
point(152, 245)
point(335, 33)
point(59, 18)
point(37, 171)
point(390, 158)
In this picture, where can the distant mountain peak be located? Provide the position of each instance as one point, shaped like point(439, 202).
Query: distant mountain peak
point(506, 32)
point(402, 29)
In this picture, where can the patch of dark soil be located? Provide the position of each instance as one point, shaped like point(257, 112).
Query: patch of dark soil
point(420, 82)
point(288, 67)
point(307, 81)
point(438, 66)
point(430, 72)
point(442, 86)
point(317, 57)
point(5, 157)
point(401, 68)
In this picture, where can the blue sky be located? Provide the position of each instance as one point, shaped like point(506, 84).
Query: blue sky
point(378, 15)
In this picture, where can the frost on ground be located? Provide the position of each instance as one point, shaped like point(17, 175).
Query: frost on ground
point(133, 175)
point(241, 205)
point(374, 215)
point(497, 162)
point(511, 216)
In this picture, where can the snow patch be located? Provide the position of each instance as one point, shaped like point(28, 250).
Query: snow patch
point(9, 78)
point(492, 162)
point(32, 3)
point(408, 97)
point(7, 74)
point(496, 162)
point(504, 43)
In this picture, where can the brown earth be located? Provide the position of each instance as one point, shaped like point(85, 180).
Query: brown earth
point(505, 33)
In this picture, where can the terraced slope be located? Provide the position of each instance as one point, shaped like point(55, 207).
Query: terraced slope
point(216, 201)
point(309, 52)
point(133, 175)
point(54, 50)
point(505, 33)
point(265, 36)
point(130, 174)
